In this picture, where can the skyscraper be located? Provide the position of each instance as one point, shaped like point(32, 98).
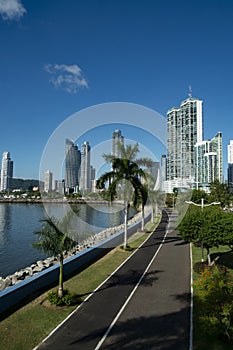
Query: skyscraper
point(230, 163)
point(6, 172)
point(48, 181)
point(85, 174)
point(72, 166)
point(163, 170)
point(117, 139)
point(184, 130)
point(208, 162)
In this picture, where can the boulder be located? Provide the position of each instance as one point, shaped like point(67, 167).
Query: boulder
point(14, 280)
point(2, 284)
point(38, 269)
point(40, 263)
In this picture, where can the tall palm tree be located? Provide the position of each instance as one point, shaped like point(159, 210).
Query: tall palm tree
point(53, 240)
point(124, 172)
point(130, 152)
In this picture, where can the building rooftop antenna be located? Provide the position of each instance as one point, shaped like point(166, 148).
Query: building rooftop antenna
point(190, 91)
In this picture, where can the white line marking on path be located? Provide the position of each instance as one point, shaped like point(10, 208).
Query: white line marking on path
point(130, 296)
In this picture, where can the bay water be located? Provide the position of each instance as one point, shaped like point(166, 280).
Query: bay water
point(19, 221)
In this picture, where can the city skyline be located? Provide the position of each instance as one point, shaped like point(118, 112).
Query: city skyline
point(53, 65)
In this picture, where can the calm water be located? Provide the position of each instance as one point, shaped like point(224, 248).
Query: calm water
point(18, 222)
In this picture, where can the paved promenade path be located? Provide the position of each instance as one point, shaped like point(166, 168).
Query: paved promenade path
point(144, 305)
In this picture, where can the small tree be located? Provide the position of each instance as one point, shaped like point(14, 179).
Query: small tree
point(53, 240)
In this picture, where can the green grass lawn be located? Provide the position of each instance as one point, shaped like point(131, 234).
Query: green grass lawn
point(205, 331)
point(29, 325)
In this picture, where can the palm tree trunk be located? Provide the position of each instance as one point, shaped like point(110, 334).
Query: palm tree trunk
point(152, 214)
point(60, 287)
point(156, 209)
point(125, 222)
point(143, 219)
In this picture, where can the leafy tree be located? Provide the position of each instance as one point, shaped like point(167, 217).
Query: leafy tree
point(227, 229)
point(198, 195)
point(220, 192)
point(24, 184)
point(53, 240)
point(126, 174)
point(202, 227)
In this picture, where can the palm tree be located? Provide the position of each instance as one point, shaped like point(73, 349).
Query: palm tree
point(124, 172)
point(130, 152)
point(52, 240)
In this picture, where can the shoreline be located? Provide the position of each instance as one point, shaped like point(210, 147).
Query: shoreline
point(58, 201)
point(40, 265)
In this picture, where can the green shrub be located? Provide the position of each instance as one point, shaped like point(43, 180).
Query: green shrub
point(66, 300)
point(214, 292)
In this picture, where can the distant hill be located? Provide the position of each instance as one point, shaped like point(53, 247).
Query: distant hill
point(24, 184)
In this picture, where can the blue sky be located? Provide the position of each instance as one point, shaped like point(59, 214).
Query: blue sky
point(58, 57)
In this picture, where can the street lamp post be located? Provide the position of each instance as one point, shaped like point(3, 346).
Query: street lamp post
point(202, 205)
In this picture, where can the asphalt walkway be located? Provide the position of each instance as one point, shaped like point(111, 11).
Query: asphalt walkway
point(144, 305)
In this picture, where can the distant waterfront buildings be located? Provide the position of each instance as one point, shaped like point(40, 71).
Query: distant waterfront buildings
point(6, 172)
point(230, 163)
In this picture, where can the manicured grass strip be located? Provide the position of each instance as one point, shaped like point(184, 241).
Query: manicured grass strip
point(29, 325)
point(204, 335)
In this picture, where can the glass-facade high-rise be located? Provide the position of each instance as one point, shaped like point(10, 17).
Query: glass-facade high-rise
point(6, 172)
point(184, 130)
point(117, 140)
point(72, 166)
point(209, 162)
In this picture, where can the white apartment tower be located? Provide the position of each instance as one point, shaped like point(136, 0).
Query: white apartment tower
point(163, 170)
point(6, 172)
point(85, 175)
point(184, 130)
point(230, 163)
point(48, 181)
point(208, 163)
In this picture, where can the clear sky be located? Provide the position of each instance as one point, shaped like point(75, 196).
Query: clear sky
point(58, 57)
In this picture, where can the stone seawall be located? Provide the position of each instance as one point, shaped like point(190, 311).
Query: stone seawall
point(45, 272)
